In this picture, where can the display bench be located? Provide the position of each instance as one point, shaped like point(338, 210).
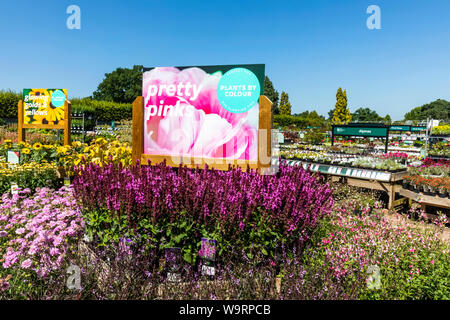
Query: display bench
point(389, 182)
point(426, 200)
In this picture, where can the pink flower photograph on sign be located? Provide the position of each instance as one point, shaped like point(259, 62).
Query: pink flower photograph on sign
point(183, 117)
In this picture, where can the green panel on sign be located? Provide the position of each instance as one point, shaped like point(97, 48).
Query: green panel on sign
point(363, 132)
point(400, 128)
point(418, 128)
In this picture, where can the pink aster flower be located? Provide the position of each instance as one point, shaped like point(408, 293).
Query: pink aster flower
point(26, 264)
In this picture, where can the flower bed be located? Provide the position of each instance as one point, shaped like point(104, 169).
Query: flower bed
point(240, 210)
point(432, 177)
point(29, 175)
point(413, 262)
point(441, 130)
point(35, 234)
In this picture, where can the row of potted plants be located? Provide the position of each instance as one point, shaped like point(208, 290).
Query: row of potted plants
point(428, 185)
point(375, 163)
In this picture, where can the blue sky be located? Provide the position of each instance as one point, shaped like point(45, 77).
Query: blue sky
point(310, 48)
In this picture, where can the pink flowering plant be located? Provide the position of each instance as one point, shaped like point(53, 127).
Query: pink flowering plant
point(169, 207)
point(413, 260)
point(36, 233)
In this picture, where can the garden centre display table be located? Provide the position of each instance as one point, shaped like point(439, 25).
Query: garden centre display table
point(426, 200)
point(389, 182)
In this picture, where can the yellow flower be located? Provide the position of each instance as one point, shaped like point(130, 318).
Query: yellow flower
point(62, 150)
point(37, 146)
point(76, 144)
point(25, 150)
point(7, 141)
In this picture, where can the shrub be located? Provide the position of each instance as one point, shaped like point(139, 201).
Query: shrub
point(104, 111)
point(36, 233)
point(9, 104)
point(413, 261)
point(30, 175)
point(314, 136)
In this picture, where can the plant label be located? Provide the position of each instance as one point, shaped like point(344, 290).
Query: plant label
point(14, 188)
point(13, 157)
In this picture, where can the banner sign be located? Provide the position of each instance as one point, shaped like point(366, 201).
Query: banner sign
point(44, 107)
point(415, 129)
point(400, 128)
point(203, 111)
point(360, 131)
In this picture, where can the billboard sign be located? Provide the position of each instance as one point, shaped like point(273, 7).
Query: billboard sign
point(44, 107)
point(202, 111)
point(360, 131)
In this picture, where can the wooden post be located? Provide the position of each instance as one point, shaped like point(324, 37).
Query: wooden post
point(21, 135)
point(265, 127)
point(138, 129)
point(67, 122)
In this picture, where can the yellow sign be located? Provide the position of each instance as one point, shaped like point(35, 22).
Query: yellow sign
point(44, 107)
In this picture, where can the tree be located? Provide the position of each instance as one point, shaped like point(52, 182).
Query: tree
point(285, 105)
point(272, 94)
point(438, 109)
point(330, 114)
point(341, 114)
point(387, 119)
point(366, 115)
point(122, 85)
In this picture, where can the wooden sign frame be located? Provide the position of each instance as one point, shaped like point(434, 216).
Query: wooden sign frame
point(66, 126)
point(265, 123)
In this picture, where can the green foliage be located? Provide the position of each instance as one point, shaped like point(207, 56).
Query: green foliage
point(438, 109)
point(272, 94)
point(285, 105)
point(32, 178)
point(314, 136)
point(103, 110)
point(9, 104)
point(258, 235)
point(122, 85)
point(341, 114)
point(413, 261)
point(299, 121)
point(366, 115)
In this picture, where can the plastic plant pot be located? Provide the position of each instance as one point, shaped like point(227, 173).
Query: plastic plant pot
point(207, 255)
point(173, 264)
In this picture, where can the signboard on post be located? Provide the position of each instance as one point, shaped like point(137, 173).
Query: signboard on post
point(416, 129)
point(361, 130)
point(199, 115)
point(400, 128)
point(44, 109)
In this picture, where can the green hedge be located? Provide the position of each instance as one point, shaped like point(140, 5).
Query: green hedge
point(103, 110)
point(299, 122)
point(8, 104)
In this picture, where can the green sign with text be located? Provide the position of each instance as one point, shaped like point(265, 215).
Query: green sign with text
point(400, 128)
point(418, 128)
point(360, 131)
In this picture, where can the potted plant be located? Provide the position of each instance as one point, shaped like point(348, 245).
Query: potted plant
point(173, 264)
point(405, 183)
point(442, 191)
